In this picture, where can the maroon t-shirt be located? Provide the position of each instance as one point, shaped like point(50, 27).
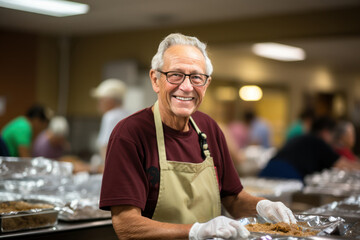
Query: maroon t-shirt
point(131, 175)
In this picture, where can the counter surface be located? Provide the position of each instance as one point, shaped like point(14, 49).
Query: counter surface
point(100, 229)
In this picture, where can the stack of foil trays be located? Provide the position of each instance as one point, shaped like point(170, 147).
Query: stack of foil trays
point(349, 207)
point(333, 182)
point(272, 189)
point(76, 197)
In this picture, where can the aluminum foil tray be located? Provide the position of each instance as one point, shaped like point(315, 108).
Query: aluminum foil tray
point(324, 225)
point(82, 209)
point(349, 207)
point(334, 182)
point(36, 214)
point(75, 196)
point(12, 168)
point(272, 189)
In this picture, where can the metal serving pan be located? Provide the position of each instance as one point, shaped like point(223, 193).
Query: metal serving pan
point(35, 214)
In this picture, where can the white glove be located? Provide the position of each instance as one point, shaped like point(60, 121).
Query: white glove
point(275, 211)
point(219, 227)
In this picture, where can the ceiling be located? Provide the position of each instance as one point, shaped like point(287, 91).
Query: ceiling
point(333, 49)
point(117, 15)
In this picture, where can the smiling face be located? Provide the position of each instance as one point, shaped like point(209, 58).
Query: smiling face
point(178, 102)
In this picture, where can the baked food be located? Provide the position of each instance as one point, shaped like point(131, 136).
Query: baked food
point(21, 215)
point(20, 206)
point(282, 229)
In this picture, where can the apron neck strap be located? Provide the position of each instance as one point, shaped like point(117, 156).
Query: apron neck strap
point(161, 140)
point(205, 152)
point(159, 135)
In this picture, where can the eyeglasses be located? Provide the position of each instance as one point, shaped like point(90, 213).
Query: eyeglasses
point(196, 79)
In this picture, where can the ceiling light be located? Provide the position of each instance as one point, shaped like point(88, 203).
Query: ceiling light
point(279, 51)
point(57, 8)
point(250, 93)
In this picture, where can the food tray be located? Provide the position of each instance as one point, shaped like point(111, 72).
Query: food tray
point(18, 220)
point(81, 210)
point(349, 207)
point(272, 189)
point(333, 182)
point(325, 225)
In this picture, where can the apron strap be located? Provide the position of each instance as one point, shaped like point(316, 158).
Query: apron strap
point(160, 137)
point(205, 152)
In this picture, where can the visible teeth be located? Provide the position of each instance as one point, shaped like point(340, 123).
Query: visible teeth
point(184, 99)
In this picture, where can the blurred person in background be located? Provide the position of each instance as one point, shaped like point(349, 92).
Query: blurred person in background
point(307, 154)
point(19, 133)
point(252, 130)
point(239, 133)
point(52, 142)
point(302, 125)
point(3, 149)
point(259, 131)
point(110, 96)
point(344, 140)
point(249, 143)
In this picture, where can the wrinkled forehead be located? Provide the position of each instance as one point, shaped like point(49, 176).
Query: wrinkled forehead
point(186, 54)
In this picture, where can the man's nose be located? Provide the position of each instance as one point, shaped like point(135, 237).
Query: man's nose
point(186, 84)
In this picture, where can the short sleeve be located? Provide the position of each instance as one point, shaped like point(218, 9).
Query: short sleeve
point(124, 180)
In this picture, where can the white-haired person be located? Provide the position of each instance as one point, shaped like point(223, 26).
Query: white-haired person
point(344, 139)
point(110, 96)
point(168, 168)
point(52, 143)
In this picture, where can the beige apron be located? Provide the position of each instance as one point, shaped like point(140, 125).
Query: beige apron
point(188, 192)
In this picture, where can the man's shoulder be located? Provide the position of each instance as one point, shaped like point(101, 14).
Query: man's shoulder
point(19, 123)
point(201, 116)
point(136, 121)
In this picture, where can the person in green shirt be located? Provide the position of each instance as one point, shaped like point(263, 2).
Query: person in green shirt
point(19, 133)
point(302, 125)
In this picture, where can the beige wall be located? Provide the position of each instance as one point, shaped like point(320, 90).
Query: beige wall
point(89, 53)
point(18, 63)
point(47, 71)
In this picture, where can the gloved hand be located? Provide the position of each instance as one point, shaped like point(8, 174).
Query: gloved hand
point(219, 227)
point(275, 211)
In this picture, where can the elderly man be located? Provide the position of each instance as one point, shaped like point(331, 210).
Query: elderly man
point(168, 169)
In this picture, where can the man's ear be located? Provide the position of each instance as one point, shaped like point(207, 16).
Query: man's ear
point(154, 80)
point(207, 84)
point(208, 81)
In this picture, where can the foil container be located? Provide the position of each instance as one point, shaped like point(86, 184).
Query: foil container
point(84, 209)
point(26, 175)
point(77, 200)
point(333, 182)
point(326, 226)
point(33, 168)
point(11, 221)
point(81, 199)
point(272, 189)
point(75, 196)
point(349, 207)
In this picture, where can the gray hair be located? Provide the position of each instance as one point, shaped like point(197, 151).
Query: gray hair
point(179, 39)
point(340, 130)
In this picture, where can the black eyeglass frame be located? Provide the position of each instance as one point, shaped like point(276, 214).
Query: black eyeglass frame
point(185, 75)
